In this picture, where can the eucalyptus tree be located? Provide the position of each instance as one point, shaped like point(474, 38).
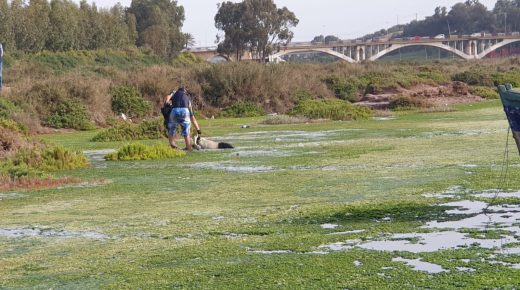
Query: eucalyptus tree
point(230, 19)
point(255, 25)
point(158, 25)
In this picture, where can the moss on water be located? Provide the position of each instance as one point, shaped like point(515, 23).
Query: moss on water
point(172, 225)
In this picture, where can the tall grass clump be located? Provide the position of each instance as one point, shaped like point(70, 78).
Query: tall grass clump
point(331, 109)
point(139, 151)
point(150, 129)
point(243, 109)
point(485, 92)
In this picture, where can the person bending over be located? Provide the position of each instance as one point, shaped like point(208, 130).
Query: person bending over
point(181, 115)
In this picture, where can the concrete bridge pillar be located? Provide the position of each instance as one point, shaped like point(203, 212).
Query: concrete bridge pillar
point(360, 53)
point(473, 48)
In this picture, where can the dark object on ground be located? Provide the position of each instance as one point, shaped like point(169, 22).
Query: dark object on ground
point(203, 143)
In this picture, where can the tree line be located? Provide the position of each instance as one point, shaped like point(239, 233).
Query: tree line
point(61, 25)
point(466, 17)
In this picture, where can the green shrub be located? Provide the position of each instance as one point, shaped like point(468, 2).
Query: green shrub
point(485, 92)
point(473, 78)
point(406, 103)
point(512, 78)
point(13, 126)
point(70, 114)
point(346, 90)
point(152, 129)
point(302, 95)
point(331, 109)
point(139, 151)
point(34, 162)
point(188, 58)
point(244, 109)
point(7, 108)
point(129, 101)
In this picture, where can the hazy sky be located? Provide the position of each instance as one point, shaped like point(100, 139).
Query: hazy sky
point(344, 18)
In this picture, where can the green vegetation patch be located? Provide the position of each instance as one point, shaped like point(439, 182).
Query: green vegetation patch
point(139, 151)
point(331, 109)
point(244, 109)
point(485, 92)
point(150, 129)
point(70, 114)
point(127, 100)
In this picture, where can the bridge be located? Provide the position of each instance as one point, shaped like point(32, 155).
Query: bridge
point(468, 47)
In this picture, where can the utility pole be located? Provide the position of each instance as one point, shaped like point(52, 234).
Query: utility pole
point(449, 29)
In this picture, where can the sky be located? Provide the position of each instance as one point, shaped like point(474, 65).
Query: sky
point(346, 19)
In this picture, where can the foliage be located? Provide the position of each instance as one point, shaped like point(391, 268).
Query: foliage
point(485, 92)
point(129, 101)
point(33, 163)
point(257, 25)
point(13, 125)
point(70, 114)
point(244, 109)
point(7, 108)
point(474, 78)
point(347, 90)
point(62, 25)
point(69, 60)
point(511, 77)
point(464, 18)
point(330, 109)
point(152, 129)
point(139, 151)
point(188, 58)
point(406, 103)
point(158, 25)
point(325, 39)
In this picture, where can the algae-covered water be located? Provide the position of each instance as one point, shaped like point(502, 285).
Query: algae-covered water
point(412, 201)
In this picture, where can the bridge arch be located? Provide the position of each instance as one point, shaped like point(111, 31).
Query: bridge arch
point(394, 47)
point(496, 46)
point(329, 51)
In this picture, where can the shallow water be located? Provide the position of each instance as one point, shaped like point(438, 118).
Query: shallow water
point(493, 194)
point(432, 242)
point(329, 226)
point(476, 215)
point(36, 232)
point(97, 157)
point(419, 265)
point(226, 166)
point(259, 153)
point(10, 195)
point(273, 252)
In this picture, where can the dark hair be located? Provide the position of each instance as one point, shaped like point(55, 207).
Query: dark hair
point(182, 88)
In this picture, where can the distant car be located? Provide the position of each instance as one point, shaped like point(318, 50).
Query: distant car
point(476, 34)
point(417, 38)
point(440, 36)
